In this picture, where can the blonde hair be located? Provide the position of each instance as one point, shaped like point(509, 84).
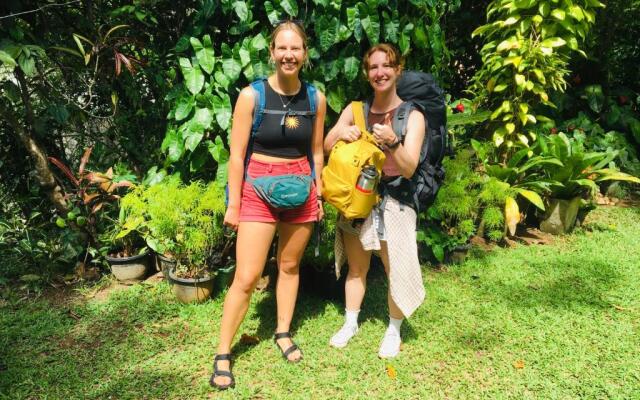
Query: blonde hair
point(395, 60)
point(292, 26)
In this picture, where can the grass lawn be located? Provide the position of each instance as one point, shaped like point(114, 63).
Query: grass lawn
point(559, 321)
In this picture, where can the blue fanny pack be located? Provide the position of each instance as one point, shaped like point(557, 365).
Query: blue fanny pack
point(282, 191)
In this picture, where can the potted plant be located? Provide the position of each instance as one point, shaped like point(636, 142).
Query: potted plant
point(93, 196)
point(317, 270)
point(574, 179)
point(183, 224)
point(130, 258)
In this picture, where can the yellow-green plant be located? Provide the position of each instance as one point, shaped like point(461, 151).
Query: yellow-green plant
point(525, 58)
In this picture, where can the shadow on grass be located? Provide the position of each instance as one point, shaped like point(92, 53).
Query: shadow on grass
point(84, 351)
point(576, 286)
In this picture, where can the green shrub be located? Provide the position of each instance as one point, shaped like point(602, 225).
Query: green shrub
point(182, 221)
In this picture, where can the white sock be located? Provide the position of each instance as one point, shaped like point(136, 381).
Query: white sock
point(351, 317)
point(394, 325)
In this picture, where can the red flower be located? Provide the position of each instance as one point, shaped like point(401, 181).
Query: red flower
point(554, 131)
point(460, 107)
point(623, 100)
point(577, 80)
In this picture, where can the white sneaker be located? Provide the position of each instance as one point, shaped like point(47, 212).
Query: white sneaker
point(390, 346)
point(342, 337)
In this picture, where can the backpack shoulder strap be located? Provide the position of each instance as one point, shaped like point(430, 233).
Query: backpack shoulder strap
point(401, 119)
point(311, 95)
point(260, 99)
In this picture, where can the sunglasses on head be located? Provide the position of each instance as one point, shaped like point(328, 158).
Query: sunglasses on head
point(298, 22)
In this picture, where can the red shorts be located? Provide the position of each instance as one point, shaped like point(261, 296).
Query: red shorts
point(254, 209)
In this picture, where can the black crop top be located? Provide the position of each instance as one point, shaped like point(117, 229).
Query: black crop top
point(291, 140)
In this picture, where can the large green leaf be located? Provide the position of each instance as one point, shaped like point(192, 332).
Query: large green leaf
point(272, 13)
point(7, 59)
point(240, 7)
point(173, 145)
point(420, 37)
point(222, 109)
point(351, 67)
point(198, 159)
point(232, 68)
point(336, 98)
point(328, 31)
point(258, 42)
point(436, 41)
point(370, 21)
point(391, 26)
point(192, 139)
point(354, 23)
point(203, 118)
point(221, 155)
point(27, 65)
point(184, 106)
point(204, 53)
point(193, 77)
point(290, 7)
point(595, 97)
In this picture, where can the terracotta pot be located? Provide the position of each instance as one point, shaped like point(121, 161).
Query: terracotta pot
point(129, 269)
point(191, 290)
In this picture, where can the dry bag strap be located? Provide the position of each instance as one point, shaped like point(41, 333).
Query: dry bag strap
point(358, 117)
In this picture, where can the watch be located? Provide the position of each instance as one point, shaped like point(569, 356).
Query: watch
point(394, 144)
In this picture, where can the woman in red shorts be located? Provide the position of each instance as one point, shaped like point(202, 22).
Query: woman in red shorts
point(284, 142)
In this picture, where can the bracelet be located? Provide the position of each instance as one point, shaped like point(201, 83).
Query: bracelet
point(395, 144)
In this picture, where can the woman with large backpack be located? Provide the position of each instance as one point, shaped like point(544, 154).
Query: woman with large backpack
point(276, 145)
point(391, 226)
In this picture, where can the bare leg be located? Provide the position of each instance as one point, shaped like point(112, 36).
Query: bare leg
point(293, 239)
point(252, 247)
point(354, 289)
point(356, 283)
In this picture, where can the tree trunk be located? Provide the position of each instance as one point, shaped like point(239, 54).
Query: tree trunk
point(24, 133)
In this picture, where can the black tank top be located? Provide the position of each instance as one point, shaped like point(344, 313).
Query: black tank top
point(291, 140)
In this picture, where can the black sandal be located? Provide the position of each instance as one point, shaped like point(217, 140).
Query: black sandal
point(217, 372)
point(291, 349)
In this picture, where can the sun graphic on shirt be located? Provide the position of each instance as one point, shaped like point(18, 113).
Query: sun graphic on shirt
point(291, 122)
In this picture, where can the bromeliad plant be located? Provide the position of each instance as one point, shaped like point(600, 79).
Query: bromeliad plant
point(577, 172)
point(92, 196)
point(525, 58)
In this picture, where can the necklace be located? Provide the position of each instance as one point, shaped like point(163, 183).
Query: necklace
point(285, 105)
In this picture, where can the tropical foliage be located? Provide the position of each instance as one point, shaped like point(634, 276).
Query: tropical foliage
point(526, 56)
point(149, 87)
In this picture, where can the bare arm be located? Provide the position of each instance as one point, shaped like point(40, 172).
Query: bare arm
point(240, 132)
point(316, 146)
point(407, 154)
point(344, 129)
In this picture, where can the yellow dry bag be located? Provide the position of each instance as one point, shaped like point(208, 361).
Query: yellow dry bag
point(345, 165)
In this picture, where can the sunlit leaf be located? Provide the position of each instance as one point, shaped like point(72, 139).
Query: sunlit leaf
point(511, 215)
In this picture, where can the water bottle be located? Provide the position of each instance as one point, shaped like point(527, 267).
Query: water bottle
point(364, 197)
point(367, 180)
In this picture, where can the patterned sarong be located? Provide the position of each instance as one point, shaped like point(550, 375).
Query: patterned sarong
point(405, 277)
